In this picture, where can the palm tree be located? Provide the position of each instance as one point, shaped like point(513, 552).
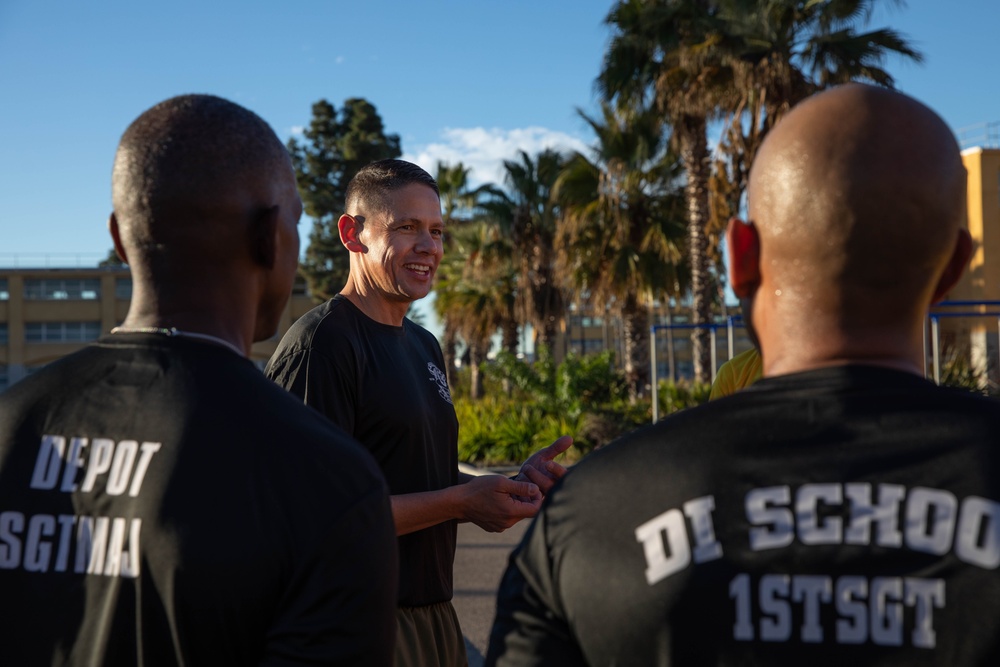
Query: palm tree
point(697, 60)
point(458, 208)
point(786, 50)
point(667, 54)
point(621, 230)
point(490, 260)
point(473, 295)
point(525, 213)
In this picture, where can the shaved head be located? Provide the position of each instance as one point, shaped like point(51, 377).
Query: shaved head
point(858, 195)
point(185, 161)
point(206, 214)
point(857, 199)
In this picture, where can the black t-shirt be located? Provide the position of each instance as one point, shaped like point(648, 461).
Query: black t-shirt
point(163, 503)
point(843, 516)
point(385, 385)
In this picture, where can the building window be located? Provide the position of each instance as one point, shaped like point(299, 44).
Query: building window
point(3, 377)
point(3, 333)
point(61, 332)
point(123, 289)
point(85, 289)
point(4, 291)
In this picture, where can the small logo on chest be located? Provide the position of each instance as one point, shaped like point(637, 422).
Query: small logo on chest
point(438, 376)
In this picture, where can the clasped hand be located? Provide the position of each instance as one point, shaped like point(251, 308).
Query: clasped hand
point(496, 503)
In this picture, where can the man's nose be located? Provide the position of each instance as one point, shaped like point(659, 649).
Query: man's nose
point(427, 242)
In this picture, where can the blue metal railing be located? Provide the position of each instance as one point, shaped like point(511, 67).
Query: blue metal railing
point(987, 309)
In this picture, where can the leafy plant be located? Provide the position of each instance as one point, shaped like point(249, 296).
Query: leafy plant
point(674, 396)
point(530, 405)
point(957, 371)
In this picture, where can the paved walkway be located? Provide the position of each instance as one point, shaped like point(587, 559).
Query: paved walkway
point(479, 563)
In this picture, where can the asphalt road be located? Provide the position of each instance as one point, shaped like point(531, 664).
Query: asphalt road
point(480, 561)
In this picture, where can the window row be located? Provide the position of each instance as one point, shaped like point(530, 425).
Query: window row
point(55, 332)
point(61, 332)
point(76, 289)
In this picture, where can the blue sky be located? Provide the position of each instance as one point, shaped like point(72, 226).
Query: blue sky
point(469, 80)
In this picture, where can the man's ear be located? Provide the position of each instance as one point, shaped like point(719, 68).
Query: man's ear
point(264, 236)
point(116, 238)
point(744, 257)
point(956, 265)
point(350, 227)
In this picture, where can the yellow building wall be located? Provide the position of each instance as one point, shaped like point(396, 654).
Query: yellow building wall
point(976, 337)
point(982, 279)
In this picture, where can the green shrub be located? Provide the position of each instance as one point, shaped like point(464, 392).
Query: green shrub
point(502, 430)
point(674, 396)
point(529, 405)
point(957, 371)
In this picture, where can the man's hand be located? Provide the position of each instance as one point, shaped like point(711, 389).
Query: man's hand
point(541, 469)
point(495, 503)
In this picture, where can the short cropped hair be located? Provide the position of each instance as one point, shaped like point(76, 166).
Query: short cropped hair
point(182, 154)
point(375, 181)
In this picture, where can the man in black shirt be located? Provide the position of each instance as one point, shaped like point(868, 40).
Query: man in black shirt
point(161, 501)
point(360, 361)
point(842, 510)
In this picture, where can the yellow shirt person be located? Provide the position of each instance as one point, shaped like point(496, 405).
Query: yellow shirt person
point(738, 373)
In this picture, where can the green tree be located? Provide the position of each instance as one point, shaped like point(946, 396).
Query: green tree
point(525, 214)
point(668, 54)
point(784, 51)
point(622, 228)
point(700, 60)
point(459, 208)
point(469, 298)
point(334, 148)
point(111, 261)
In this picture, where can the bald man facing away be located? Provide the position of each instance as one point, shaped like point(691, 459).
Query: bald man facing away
point(161, 501)
point(842, 510)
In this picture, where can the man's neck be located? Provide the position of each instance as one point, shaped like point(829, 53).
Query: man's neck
point(783, 356)
point(217, 325)
point(378, 309)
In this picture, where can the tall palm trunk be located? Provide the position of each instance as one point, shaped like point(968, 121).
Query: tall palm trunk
point(509, 335)
point(546, 299)
point(449, 348)
point(635, 331)
point(694, 155)
point(509, 339)
point(477, 355)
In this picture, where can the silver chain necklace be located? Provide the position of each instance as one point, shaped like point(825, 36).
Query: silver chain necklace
point(174, 331)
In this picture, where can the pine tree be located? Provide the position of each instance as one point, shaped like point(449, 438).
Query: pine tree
point(336, 146)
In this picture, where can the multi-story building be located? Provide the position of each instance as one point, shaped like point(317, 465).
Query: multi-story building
point(48, 313)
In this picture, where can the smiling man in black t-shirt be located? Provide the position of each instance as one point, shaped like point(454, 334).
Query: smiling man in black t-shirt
point(360, 361)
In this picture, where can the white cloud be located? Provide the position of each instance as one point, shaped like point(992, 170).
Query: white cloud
point(484, 150)
point(297, 130)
